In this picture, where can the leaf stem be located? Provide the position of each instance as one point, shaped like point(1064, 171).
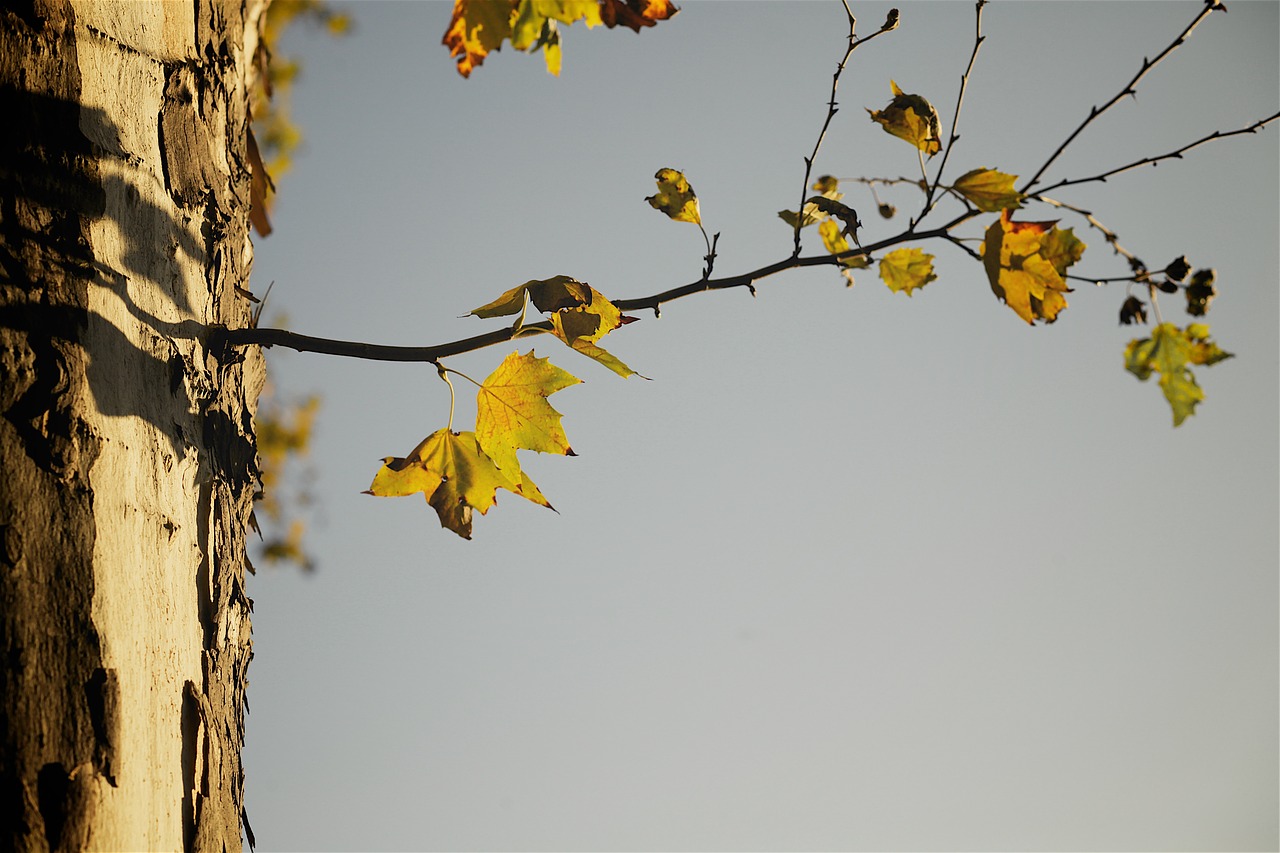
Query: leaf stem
point(710, 256)
point(443, 373)
point(1155, 301)
point(444, 369)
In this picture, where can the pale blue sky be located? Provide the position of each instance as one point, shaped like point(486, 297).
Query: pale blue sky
point(854, 571)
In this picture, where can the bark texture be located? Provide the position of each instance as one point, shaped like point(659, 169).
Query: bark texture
point(127, 459)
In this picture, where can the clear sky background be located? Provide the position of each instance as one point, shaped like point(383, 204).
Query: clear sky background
point(855, 570)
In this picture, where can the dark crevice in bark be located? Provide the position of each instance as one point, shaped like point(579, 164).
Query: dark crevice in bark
point(49, 189)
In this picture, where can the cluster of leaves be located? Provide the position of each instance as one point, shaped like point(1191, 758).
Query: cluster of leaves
point(1170, 350)
point(460, 472)
point(481, 26)
point(1027, 262)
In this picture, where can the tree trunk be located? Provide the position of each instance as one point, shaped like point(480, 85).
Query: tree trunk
point(127, 459)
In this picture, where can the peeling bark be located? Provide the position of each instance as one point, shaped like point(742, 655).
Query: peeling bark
point(127, 456)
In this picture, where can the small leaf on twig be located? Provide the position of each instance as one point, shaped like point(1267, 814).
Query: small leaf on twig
point(989, 190)
point(905, 270)
point(912, 118)
point(675, 197)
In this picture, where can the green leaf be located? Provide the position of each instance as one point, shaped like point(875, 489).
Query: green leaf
point(989, 190)
point(1168, 352)
point(1062, 248)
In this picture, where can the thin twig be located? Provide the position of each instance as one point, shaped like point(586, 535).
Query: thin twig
point(1176, 154)
point(979, 38)
point(710, 256)
point(1109, 280)
point(891, 23)
point(1107, 233)
point(1147, 65)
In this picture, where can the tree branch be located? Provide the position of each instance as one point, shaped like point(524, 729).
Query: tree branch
point(221, 337)
point(1107, 234)
point(1147, 65)
point(890, 23)
point(979, 38)
point(1176, 154)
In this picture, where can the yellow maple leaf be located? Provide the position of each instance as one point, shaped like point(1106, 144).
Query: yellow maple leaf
point(582, 326)
point(989, 190)
point(1025, 262)
point(454, 474)
point(912, 118)
point(905, 270)
point(675, 197)
point(512, 413)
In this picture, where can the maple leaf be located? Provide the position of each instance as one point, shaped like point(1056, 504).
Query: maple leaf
point(1025, 262)
point(912, 118)
point(582, 326)
point(476, 28)
point(512, 413)
point(452, 471)
point(480, 26)
point(989, 190)
point(1168, 352)
point(907, 269)
point(675, 197)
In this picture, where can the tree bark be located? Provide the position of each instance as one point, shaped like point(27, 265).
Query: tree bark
point(127, 457)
